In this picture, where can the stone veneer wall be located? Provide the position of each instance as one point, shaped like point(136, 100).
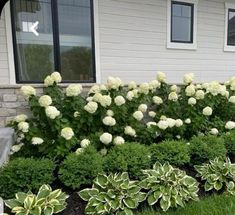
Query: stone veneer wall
point(12, 103)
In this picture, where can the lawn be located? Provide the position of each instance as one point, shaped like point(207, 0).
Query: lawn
point(213, 205)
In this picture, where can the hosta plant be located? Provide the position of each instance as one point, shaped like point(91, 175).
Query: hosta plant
point(170, 186)
point(219, 174)
point(112, 194)
point(46, 202)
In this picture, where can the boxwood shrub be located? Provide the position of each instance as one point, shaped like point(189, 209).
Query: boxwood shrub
point(174, 152)
point(24, 174)
point(81, 170)
point(129, 157)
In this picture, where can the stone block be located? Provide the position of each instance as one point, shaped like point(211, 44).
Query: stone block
point(11, 105)
point(5, 112)
point(7, 91)
point(9, 98)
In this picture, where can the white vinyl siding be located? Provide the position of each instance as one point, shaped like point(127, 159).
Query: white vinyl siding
point(4, 68)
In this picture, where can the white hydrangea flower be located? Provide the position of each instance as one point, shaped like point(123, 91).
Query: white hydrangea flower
point(110, 113)
point(143, 108)
point(118, 140)
point(173, 96)
point(187, 121)
point(138, 115)
point(109, 121)
point(149, 124)
point(162, 124)
point(48, 81)
point(67, 133)
point(16, 148)
point(198, 86)
point(56, 77)
point(152, 114)
point(89, 99)
point(21, 118)
point(192, 101)
point(188, 78)
point(136, 93)
point(157, 100)
point(163, 117)
point(106, 138)
point(103, 87)
point(130, 131)
point(94, 89)
point(144, 88)
point(132, 85)
point(190, 90)
point(171, 122)
point(200, 94)
point(73, 90)
point(105, 101)
point(161, 77)
point(119, 100)
point(97, 97)
point(154, 84)
point(76, 114)
point(37, 141)
point(45, 101)
point(79, 151)
point(91, 107)
point(114, 83)
point(214, 88)
point(207, 111)
point(232, 99)
point(103, 151)
point(130, 95)
point(178, 123)
point(85, 143)
point(174, 88)
point(214, 131)
point(23, 126)
point(230, 125)
point(27, 91)
point(52, 112)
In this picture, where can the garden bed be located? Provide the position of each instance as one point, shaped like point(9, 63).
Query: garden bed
point(121, 148)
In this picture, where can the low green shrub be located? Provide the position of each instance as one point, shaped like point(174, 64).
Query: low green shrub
point(218, 174)
point(174, 152)
point(78, 170)
point(229, 141)
point(113, 194)
point(23, 174)
point(206, 148)
point(129, 157)
point(169, 186)
point(46, 202)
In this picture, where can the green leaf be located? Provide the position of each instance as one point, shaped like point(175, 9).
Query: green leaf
point(55, 194)
point(218, 185)
point(165, 205)
point(141, 196)
point(208, 186)
point(179, 201)
point(12, 203)
point(152, 200)
point(43, 193)
point(130, 203)
point(48, 211)
point(101, 180)
point(58, 208)
point(36, 211)
point(21, 197)
point(128, 211)
point(85, 194)
point(29, 201)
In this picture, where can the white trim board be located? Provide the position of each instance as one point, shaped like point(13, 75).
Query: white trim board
point(227, 48)
point(186, 46)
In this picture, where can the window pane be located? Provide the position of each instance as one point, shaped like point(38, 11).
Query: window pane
point(231, 28)
point(75, 40)
point(35, 57)
point(182, 17)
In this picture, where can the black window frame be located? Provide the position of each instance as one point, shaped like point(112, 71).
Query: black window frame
point(192, 22)
point(56, 44)
point(229, 10)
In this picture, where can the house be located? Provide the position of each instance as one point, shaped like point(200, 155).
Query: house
point(89, 40)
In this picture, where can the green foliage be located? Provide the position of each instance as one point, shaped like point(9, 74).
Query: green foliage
point(80, 170)
point(174, 152)
point(46, 202)
point(229, 142)
point(205, 148)
point(169, 186)
point(113, 194)
point(218, 174)
point(21, 175)
point(129, 157)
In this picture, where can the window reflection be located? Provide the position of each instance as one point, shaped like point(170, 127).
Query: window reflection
point(231, 28)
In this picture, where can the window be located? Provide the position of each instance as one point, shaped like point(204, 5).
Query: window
point(182, 24)
point(53, 35)
point(229, 27)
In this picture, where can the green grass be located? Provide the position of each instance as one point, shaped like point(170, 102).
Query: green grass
point(214, 205)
